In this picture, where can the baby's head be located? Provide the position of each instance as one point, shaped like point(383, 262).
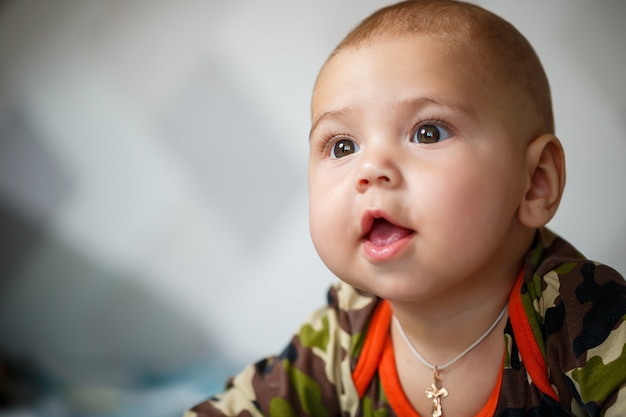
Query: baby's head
point(491, 48)
point(432, 150)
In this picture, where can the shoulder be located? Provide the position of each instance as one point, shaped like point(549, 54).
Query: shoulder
point(344, 320)
point(557, 274)
point(313, 374)
point(579, 306)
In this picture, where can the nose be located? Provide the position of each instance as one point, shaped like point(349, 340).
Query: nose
point(377, 169)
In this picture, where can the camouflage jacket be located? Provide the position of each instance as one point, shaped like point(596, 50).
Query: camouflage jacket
point(565, 351)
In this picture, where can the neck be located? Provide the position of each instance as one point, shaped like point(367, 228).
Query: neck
point(440, 331)
point(451, 362)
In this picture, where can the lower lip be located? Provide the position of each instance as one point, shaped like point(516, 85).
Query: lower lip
point(385, 253)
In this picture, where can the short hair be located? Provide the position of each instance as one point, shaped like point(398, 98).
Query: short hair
point(477, 34)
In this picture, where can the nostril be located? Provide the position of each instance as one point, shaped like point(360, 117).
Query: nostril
point(377, 173)
point(365, 183)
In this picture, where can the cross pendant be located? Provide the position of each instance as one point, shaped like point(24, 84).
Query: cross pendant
point(436, 392)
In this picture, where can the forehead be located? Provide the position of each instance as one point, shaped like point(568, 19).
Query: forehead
point(390, 71)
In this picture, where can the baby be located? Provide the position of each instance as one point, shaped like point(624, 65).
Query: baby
point(433, 170)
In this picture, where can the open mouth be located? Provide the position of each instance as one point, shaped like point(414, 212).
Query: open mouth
point(384, 233)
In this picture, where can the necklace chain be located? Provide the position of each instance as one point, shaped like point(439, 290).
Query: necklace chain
point(456, 359)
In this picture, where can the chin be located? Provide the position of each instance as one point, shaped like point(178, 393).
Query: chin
point(387, 289)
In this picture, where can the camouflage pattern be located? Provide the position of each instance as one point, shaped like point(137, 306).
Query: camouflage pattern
point(575, 308)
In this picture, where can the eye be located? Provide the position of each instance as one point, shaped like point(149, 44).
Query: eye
point(430, 134)
point(343, 147)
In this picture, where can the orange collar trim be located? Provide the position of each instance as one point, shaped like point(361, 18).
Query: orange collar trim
point(377, 355)
point(534, 362)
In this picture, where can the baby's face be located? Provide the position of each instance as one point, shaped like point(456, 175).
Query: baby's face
point(414, 176)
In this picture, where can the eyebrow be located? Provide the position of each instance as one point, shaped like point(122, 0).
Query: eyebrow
point(332, 114)
point(413, 102)
point(453, 105)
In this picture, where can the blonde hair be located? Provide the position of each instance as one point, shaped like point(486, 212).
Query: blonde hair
point(482, 38)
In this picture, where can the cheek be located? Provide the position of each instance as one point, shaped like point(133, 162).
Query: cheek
point(475, 199)
point(325, 213)
point(325, 228)
point(317, 225)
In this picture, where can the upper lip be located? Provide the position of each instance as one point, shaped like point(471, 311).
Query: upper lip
point(370, 216)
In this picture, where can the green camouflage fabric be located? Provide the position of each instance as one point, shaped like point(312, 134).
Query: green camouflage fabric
point(576, 311)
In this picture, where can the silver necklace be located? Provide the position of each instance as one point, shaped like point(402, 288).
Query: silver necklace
point(436, 392)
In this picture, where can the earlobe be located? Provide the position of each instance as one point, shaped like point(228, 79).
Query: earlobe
point(545, 164)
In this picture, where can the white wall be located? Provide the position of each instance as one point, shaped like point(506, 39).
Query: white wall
point(153, 169)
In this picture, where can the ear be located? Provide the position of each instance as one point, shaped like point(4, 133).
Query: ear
point(545, 164)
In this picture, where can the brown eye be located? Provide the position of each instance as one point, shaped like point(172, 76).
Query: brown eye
point(344, 147)
point(430, 134)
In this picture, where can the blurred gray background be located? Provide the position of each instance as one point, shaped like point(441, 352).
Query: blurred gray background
point(153, 200)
